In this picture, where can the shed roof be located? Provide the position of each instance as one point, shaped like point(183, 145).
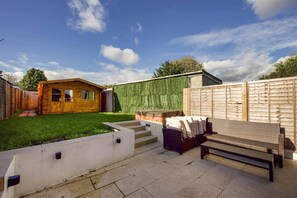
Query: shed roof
point(201, 72)
point(71, 80)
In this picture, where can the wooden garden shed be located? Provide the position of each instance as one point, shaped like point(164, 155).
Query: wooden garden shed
point(68, 96)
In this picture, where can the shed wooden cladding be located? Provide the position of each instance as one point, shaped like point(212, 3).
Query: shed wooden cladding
point(267, 101)
point(69, 96)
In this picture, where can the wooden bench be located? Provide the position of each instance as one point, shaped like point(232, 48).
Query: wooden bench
point(243, 152)
point(263, 137)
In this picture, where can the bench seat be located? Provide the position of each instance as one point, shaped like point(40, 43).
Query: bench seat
point(242, 152)
point(265, 137)
point(246, 143)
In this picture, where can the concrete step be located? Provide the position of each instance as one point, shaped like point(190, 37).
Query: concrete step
point(137, 128)
point(140, 134)
point(128, 123)
point(148, 147)
point(145, 141)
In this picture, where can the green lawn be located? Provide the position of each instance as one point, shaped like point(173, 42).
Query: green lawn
point(17, 132)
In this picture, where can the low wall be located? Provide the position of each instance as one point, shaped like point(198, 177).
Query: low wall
point(7, 166)
point(40, 169)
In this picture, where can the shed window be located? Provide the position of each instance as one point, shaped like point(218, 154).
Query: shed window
point(56, 95)
point(68, 95)
point(87, 95)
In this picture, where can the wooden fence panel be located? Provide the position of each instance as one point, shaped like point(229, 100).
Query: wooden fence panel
point(30, 100)
point(12, 99)
point(219, 102)
point(2, 98)
point(206, 101)
point(269, 101)
point(234, 102)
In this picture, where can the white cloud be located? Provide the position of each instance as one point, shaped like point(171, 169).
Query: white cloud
point(110, 67)
point(126, 56)
point(244, 52)
point(136, 29)
point(269, 8)
point(19, 75)
point(88, 15)
point(218, 64)
point(9, 67)
point(23, 58)
point(110, 74)
point(120, 75)
point(264, 37)
point(54, 63)
point(243, 67)
point(136, 40)
point(283, 59)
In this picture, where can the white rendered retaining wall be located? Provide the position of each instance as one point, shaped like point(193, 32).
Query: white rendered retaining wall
point(39, 168)
point(7, 166)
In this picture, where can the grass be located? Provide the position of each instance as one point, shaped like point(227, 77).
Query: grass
point(17, 132)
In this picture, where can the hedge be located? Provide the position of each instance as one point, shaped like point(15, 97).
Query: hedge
point(164, 93)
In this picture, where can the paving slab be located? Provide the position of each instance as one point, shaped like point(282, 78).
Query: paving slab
point(173, 183)
point(165, 155)
point(199, 189)
point(140, 194)
point(110, 191)
point(262, 186)
point(181, 160)
point(134, 182)
point(117, 164)
point(220, 176)
point(161, 170)
point(109, 177)
point(204, 165)
point(74, 189)
point(139, 163)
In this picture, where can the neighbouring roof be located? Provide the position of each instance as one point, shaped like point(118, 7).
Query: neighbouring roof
point(177, 75)
point(71, 80)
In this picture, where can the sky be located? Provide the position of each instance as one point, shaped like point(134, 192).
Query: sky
point(115, 41)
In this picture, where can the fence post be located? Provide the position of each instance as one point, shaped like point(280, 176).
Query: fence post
point(186, 102)
point(245, 110)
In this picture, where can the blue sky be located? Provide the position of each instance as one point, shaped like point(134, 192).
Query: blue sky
point(113, 41)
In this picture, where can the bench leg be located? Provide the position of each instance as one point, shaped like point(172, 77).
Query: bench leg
point(271, 171)
point(280, 161)
point(202, 152)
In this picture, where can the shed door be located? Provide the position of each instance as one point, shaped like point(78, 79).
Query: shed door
point(56, 100)
point(68, 101)
point(62, 100)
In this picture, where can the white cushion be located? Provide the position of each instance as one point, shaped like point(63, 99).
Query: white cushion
point(188, 128)
point(183, 129)
point(171, 122)
point(195, 127)
point(202, 122)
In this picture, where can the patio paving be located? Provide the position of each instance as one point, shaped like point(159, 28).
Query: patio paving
point(161, 173)
point(28, 113)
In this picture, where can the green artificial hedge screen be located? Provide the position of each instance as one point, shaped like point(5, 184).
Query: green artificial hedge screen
point(164, 93)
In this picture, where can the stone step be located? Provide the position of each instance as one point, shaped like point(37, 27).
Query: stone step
point(145, 141)
point(137, 128)
point(128, 123)
point(140, 134)
point(148, 147)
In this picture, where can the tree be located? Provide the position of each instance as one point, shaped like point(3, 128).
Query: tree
point(11, 78)
point(31, 79)
point(179, 66)
point(282, 69)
